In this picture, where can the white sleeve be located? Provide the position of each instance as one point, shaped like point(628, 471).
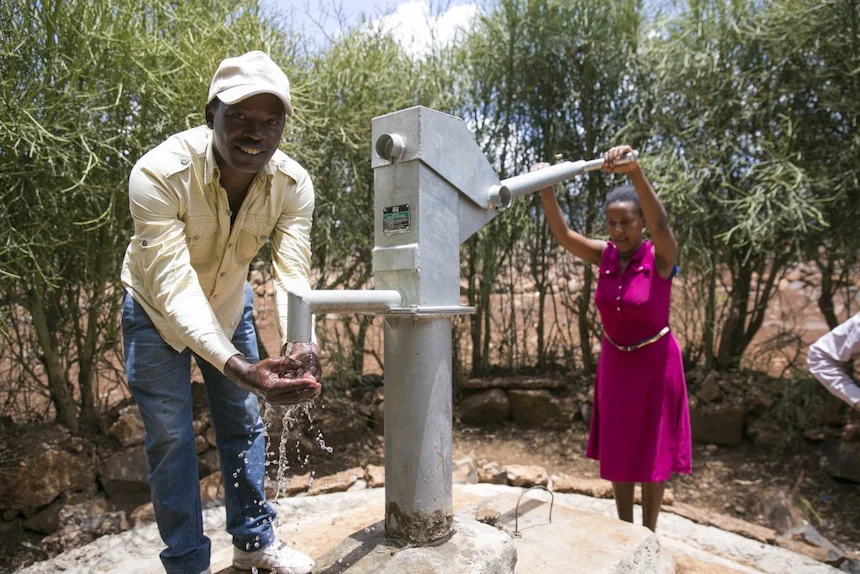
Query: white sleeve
point(827, 354)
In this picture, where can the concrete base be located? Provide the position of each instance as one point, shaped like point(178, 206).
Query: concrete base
point(584, 537)
point(576, 541)
point(474, 548)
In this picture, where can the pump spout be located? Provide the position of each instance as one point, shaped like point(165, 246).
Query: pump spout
point(302, 306)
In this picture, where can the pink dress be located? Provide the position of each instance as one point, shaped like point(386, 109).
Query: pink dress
point(640, 427)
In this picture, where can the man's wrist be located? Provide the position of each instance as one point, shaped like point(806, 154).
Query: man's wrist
point(235, 367)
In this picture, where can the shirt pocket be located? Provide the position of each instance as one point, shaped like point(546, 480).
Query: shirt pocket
point(255, 232)
point(200, 235)
point(640, 284)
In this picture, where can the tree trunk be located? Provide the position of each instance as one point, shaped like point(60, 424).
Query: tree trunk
point(358, 345)
point(825, 299)
point(584, 302)
point(58, 383)
point(733, 329)
point(710, 313)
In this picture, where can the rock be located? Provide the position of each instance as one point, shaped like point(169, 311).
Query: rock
point(338, 427)
point(339, 482)
point(130, 466)
point(723, 522)
point(817, 434)
point(522, 382)
point(200, 424)
point(255, 277)
point(485, 407)
point(292, 486)
point(541, 409)
point(211, 489)
point(124, 476)
point(200, 444)
point(585, 410)
point(801, 547)
point(833, 412)
point(695, 375)
point(492, 473)
point(767, 434)
point(208, 462)
point(143, 514)
point(128, 428)
point(594, 487)
point(719, 424)
point(46, 520)
point(297, 483)
point(464, 471)
point(668, 496)
point(210, 437)
point(38, 479)
point(851, 433)
point(843, 459)
point(379, 418)
point(710, 389)
point(488, 513)
point(526, 475)
point(805, 539)
point(360, 484)
point(374, 475)
point(199, 400)
point(758, 401)
point(780, 510)
point(80, 524)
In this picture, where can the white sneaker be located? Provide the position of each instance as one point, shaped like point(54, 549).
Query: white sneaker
point(277, 558)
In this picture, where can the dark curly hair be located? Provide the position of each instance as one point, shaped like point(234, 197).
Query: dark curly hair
point(624, 194)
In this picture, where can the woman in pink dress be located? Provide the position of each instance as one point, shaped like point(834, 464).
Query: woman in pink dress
point(640, 427)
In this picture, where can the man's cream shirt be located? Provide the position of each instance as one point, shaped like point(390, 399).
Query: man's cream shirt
point(186, 266)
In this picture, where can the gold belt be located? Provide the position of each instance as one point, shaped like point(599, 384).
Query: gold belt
point(640, 344)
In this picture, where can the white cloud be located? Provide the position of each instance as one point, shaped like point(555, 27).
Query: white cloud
point(417, 29)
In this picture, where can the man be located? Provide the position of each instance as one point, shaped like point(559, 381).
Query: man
point(827, 355)
point(203, 203)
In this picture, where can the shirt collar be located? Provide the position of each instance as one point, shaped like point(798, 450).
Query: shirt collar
point(640, 253)
point(210, 166)
point(614, 263)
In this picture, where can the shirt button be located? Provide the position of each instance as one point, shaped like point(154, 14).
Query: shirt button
point(617, 308)
point(223, 273)
point(619, 287)
point(195, 238)
point(607, 271)
point(144, 243)
point(229, 245)
point(230, 213)
point(184, 161)
point(618, 298)
point(214, 296)
point(263, 238)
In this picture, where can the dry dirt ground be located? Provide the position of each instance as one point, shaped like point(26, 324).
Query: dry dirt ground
point(725, 480)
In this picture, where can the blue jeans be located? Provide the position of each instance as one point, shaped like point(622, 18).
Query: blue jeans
point(160, 381)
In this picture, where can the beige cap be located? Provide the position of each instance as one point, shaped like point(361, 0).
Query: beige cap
point(249, 75)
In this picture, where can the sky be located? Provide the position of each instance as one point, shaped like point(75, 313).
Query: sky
point(408, 19)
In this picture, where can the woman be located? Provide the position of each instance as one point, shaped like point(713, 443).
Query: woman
point(640, 429)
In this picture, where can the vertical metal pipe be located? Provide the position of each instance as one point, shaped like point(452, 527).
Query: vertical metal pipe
point(299, 319)
point(418, 501)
